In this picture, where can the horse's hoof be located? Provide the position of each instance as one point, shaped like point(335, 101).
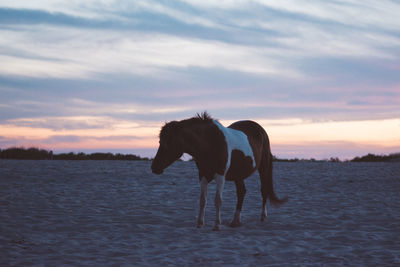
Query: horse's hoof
point(217, 228)
point(235, 224)
point(200, 223)
point(263, 218)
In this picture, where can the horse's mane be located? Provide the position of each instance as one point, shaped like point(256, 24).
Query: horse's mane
point(171, 126)
point(203, 117)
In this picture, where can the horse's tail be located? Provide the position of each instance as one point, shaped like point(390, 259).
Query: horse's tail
point(267, 185)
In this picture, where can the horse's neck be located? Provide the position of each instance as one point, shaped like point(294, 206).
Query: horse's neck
point(195, 140)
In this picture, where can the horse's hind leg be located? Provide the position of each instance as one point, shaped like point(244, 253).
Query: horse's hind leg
point(240, 192)
point(264, 209)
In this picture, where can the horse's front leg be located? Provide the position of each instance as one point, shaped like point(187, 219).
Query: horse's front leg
point(203, 201)
point(220, 180)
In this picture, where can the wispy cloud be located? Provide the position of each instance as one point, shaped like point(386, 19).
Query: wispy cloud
point(72, 72)
point(87, 53)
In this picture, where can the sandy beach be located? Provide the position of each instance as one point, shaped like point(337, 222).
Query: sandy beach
point(117, 213)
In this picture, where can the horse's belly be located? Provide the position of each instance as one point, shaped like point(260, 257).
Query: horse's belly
point(241, 166)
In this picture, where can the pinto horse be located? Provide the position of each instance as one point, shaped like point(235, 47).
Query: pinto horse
point(220, 153)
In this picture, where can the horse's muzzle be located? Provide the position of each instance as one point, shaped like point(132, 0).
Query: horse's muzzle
point(157, 171)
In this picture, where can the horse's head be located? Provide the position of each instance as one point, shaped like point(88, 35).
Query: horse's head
point(170, 148)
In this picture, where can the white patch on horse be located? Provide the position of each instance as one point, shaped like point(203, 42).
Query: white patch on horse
point(264, 213)
point(220, 180)
point(238, 140)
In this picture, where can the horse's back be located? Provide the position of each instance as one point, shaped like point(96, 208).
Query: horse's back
point(254, 131)
point(257, 138)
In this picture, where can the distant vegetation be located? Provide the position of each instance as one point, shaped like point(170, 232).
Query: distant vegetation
point(367, 158)
point(41, 154)
point(377, 158)
point(306, 160)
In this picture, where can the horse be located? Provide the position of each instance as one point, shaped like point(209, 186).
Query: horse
point(221, 153)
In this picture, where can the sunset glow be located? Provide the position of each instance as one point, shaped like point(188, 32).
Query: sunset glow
point(320, 77)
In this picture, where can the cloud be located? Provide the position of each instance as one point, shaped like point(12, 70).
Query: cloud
point(280, 44)
point(21, 16)
point(86, 53)
point(89, 52)
point(63, 123)
point(57, 139)
point(353, 13)
point(71, 8)
point(95, 69)
point(75, 142)
point(366, 13)
point(75, 132)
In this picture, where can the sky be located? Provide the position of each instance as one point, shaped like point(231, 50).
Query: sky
point(322, 77)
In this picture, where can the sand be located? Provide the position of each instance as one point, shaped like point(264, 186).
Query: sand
point(103, 213)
